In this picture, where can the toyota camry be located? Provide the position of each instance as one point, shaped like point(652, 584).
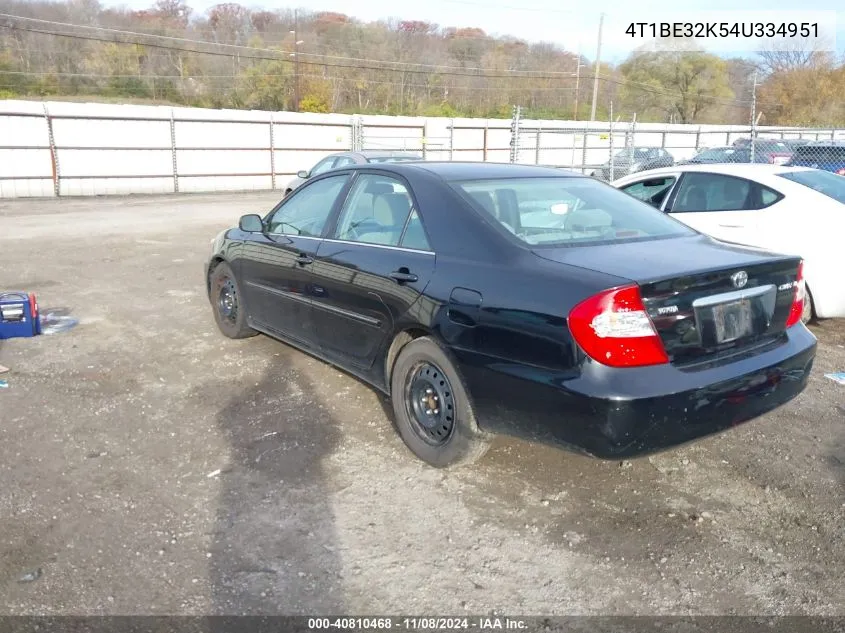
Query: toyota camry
point(491, 298)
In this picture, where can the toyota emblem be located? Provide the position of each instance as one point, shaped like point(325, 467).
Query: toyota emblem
point(739, 279)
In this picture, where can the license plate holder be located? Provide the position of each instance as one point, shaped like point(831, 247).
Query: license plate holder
point(733, 320)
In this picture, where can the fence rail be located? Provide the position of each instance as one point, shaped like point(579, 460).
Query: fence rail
point(66, 149)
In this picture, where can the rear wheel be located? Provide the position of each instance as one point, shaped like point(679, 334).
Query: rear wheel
point(809, 312)
point(433, 414)
point(227, 303)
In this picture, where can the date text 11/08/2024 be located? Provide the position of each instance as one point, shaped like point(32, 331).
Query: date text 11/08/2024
point(723, 29)
point(481, 623)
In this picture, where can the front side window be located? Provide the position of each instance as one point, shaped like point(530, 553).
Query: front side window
point(306, 211)
point(652, 191)
point(375, 212)
point(712, 192)
point(323, 166)
point(567, 211)
point(343, 161)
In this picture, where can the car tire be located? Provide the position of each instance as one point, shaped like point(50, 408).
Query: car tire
point(809, 313)
point(433, 414)
point(227, 303)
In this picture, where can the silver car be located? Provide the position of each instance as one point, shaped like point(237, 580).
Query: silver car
point(334, 161)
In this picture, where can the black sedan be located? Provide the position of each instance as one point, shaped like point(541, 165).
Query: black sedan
point(487, 298)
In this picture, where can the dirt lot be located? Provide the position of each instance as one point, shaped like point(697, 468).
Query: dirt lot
point(149, 465)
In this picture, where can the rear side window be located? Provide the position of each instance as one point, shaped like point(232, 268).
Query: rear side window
point(567, 211)
point(375, 211)
point(712, 192)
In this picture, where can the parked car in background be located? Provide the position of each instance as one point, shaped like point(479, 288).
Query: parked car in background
point(497, 298)
point(773, 151)
point(725, 154)
point(794, 210)
point(631, 160)
point(793, 143)
point(343, 159)
point(826, 155)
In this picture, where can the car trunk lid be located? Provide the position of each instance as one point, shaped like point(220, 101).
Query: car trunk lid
point(709, 301)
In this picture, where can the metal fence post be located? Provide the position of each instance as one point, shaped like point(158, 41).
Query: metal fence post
point(54, 155)
point(272, 156)
point(612, 165)
point(514, 157)
point(484, 141)
point(584, 151)
point(537, 149)
point(173, 151)
point(698, 138)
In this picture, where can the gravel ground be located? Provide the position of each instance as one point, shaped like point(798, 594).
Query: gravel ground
point(148, 465)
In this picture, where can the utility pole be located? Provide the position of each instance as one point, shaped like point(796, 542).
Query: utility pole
point(296, 43)
point(596, 77)
point(753, 115)
point(577, 84)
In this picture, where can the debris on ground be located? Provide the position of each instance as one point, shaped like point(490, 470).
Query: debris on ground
point(4, 384)
point(3, 369)
point(838, 377)
point(56, 320)
point(31, 576)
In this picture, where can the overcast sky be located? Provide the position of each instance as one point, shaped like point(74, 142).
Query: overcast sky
point(571, 25)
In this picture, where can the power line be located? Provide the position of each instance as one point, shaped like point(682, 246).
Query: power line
point(239, 47)
point(278, 56)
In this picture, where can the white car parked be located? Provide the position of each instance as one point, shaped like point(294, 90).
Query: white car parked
point(791, 210)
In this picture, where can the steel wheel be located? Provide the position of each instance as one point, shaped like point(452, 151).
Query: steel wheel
point(430, 404)
point(807, 313)
point(227, 304)
point(227, 301)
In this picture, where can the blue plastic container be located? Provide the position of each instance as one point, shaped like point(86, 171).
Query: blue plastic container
point(19, 315)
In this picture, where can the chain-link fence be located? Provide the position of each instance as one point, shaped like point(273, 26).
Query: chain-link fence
point(612, 150)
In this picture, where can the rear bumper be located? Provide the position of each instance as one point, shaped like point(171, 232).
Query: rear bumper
point(616, 413)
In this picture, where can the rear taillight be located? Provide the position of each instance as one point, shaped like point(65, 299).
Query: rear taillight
point(841, 172)
point(614, 329)
point(797, 298)
point(33, 306)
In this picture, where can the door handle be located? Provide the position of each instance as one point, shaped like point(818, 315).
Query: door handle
point(731, 226)
point(302, 260)
point(403, 275)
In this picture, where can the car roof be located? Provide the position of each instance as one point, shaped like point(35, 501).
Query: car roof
point(460, 170)
point(747, 170)
point(759, 172)
point(379, 153)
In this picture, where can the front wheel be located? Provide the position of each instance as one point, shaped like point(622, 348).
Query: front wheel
point(227, 303)
point(433, 413)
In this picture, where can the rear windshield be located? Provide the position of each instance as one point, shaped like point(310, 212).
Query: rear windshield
point(563, 211)
point(825, 182)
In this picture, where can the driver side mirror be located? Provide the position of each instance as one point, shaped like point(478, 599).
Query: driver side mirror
point(302, 174)
point(251, 223)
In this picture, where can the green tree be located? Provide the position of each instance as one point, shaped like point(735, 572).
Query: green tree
point(682, 85)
